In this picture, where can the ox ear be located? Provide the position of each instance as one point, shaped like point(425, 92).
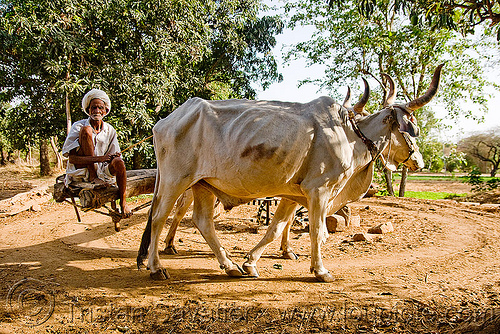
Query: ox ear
point(408, 123)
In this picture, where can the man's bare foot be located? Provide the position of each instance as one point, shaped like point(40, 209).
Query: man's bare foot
point(126, 212)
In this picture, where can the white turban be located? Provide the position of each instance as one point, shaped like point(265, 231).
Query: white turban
point(96, 94)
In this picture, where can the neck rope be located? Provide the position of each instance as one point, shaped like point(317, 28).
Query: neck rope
point(374, 151)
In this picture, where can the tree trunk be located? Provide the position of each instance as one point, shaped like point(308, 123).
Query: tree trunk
point(29, 156)
point(402, 185)
point(139, 182)
point(2, 157)
point(137, 159)
point(68, 113)
point(388, 181)
point(44, 158)
point(68, 110)
point(59, 163)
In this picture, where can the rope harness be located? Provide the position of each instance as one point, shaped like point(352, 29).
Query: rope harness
point(374, 151)
point(369, 144)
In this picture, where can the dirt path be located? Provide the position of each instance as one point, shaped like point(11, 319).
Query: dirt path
point(439, 270)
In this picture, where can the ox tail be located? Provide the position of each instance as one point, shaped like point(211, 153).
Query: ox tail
point(146, 235)
point(145, 241)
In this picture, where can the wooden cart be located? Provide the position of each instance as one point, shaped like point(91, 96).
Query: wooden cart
point(92, 197)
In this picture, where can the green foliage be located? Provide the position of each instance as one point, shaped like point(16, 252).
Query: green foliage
point(432, 153)
point(493, 183)
point(478, 183)
point(474, 177)
point(461, 16)
point(143, 54)
point(455, 161)
point(436, 164)
point(432, 195)
point(379, 179)
point(435, 177)
point(351, 45)
point(483, 147)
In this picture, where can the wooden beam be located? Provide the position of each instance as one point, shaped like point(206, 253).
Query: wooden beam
point(139, 182)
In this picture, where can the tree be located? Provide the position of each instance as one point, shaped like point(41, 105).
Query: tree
point(432, 152)
point(461, 15)
point(351, 45)
point(455, 160)
point(149, 57)
point(485, 147)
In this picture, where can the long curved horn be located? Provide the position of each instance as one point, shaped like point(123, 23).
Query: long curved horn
point(347, 100)
point(392, 91)
point(429, 94)
point(360, 106)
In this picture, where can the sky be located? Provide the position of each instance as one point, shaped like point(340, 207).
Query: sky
point(295, 71)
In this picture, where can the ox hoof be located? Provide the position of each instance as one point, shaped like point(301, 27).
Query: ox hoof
point(324, 277)
point(169, 250)
point(140, 262)
point(161, 275)
point(250, 270)
point(235, 271)
point(290, 255)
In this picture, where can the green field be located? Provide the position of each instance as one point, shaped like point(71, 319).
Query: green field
point(424, 177)
point(432, 195)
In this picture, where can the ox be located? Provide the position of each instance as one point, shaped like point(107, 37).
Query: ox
point(314, 154)
point(184, 202)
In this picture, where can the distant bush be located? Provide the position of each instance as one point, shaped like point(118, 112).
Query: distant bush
point(493, 183)
point(477, 182)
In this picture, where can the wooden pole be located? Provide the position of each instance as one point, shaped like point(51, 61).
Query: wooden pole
point(141, 181)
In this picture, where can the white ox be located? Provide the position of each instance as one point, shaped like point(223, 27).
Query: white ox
point(239, 150)
point(184, 202)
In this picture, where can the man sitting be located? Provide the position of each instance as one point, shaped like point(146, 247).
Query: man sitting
point(93, 149)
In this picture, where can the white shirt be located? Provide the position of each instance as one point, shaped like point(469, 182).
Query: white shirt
point(104, 142)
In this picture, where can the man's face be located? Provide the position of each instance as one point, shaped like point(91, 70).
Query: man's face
point(97, 109)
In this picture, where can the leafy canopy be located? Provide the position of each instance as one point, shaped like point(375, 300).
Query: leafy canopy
point(459, 15)
point(149, 56)
point(350, 46)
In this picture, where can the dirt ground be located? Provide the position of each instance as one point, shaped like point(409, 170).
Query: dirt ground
point(439, 271)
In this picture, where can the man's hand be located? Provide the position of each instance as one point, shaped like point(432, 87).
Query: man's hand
point(109, 157)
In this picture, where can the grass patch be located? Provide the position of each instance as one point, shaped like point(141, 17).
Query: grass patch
point(432, 195)
point(139, 197)
point(424, 177)
point(432, 177)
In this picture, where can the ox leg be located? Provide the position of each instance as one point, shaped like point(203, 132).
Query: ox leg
point(319, 234)
point(284, 212)
point(181, 207)
point(159, 212)
point(203, 213)
point(286, 250)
